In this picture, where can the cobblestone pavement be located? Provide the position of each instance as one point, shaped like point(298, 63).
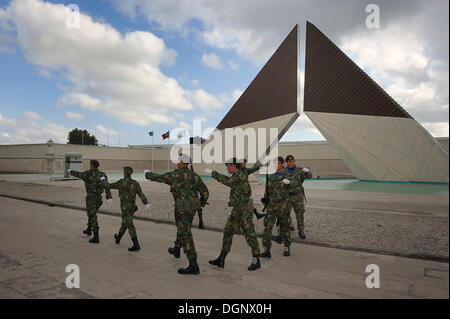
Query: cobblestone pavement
point(403, 224)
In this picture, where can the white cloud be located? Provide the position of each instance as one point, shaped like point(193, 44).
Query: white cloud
point(32, 116)
point(233, 65)
point(213, 61)
point(185, 125)
point(74, 116)
point(6, 121)
point(117, 74)
point(104, 130)
point(236, 95)
point(25, 129)
point(205, 100)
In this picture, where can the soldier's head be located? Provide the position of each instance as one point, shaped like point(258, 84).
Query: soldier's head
point(290, 161)
point(244, 163)
point(183, 160)
point(233, 165)
point(280, 163)
point(127, 171)
point(94, 164)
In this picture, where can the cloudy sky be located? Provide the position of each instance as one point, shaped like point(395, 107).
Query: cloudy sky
point(136, 66)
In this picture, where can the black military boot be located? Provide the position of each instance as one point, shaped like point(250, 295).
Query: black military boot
point(266, 253)
point(220, 261)
point(292, 228)
point(255, 264)
point(95, 239)
point(287, 251)
point(118, 237)
point(258, 214)
point(135, 246)
point(174, 251)
point(277, 239)
point(192, 269)
point(87, 231)
point(301, 234)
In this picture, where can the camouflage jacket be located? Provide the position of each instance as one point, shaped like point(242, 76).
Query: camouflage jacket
point(297, 177)
point(185, 186)
point(240, 191)
point(95, 182)
point(277, 192)
point(128, 189)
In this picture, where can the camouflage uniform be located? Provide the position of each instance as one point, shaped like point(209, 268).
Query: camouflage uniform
point(242, 213)
point(249, 171)
point(296, 195)
point(128, 189)
point(185, 186)
point(95, 182)
point(277, 208)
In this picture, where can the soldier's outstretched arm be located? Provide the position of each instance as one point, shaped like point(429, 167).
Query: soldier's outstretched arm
point(204, 193)
point(227, 181)
point(165, 178)
point(141, 194)
point(106, 187)
point(80, 175)
point(306, 173)
point(115, 185)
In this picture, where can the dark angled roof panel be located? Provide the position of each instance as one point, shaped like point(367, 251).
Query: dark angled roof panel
point(335, 84)
point(273, 92)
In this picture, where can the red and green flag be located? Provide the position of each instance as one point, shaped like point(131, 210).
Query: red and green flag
point(165, 135)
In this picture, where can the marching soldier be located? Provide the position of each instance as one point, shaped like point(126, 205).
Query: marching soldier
point(95, 182)
point(277, 198)
point(241, 214)
point(128, 189)
point(185, 186)
point(297, 175)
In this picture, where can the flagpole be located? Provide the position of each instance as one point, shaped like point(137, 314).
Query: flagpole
point(168, 152)
point(153, 146)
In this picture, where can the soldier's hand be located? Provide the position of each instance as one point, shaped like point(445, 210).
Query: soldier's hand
point(208, 171)
point(109, 200)
point(305, 169)
point(286, 181)
point(69, 170)
point(147, 206)
point(146, 171)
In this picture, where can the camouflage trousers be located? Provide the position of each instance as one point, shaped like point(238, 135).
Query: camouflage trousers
point(178, 242)
point(277, 212)
point(184, 234)
point(297, 202)
point(127, 221)
point(92, 205)
point(241, 218)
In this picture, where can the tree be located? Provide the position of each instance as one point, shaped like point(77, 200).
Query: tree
point(82, 137)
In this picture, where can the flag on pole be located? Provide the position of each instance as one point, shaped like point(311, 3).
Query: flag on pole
point(150, 133)
point(165, 135)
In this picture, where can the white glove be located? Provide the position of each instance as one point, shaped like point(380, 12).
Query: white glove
point(146, 171)
point(305, 169)
point(147, 206)
point(109, 200)
point(208, 171)
point(286, 181)
point(69, 170)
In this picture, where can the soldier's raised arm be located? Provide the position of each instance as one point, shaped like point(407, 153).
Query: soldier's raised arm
point(106, 187)
point(254, 168)
point(165, 178)
point(306, 173)
point(225, 180)
point(115, 185)
point(203, 191)
point(80, 175)
point(141, 194)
